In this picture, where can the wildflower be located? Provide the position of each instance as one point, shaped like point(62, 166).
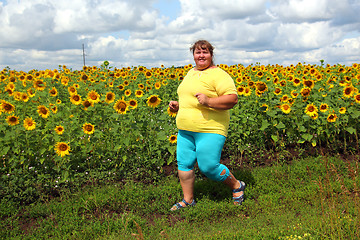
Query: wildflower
point(311, 110)
point(285, 108)
point(153, 101)
point(43, 111)
point(173, 139)
point(62, 149)
point(332, 117)
point(88, 128)
point(29, 124)
point(342, 110)
point(93, 97)
point(12, 120)
point(110, 97)
point(121, 106)
point(133, 103)
point(324, 107)
point(171, 113)
point(59, 129)
point(75, 99)
point(7, 107)
point(139, 93)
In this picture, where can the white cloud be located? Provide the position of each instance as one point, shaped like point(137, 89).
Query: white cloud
point(44, 33)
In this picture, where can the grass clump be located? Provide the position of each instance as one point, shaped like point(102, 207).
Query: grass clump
point(312, 198)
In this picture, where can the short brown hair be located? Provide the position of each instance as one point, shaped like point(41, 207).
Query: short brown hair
point(203, 44)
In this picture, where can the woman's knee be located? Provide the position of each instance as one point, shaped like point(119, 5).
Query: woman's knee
point(216, 173)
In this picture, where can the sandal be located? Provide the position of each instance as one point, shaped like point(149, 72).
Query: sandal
point(179, 206)
point(239, 200)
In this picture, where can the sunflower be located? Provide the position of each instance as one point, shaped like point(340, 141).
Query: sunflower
point(43, 111)
point(357, 98)
point(342, 110)
point(133, 103)
point(157, 85)
point(110, 97)
point(24, 97)
point(241, 90)
point(139, 93)
point(148, 74)
point(141, 86)
point(39, 85)
point(296, 82)
point(87, 104)
point(308, 83)
point(12, 120)
point(127, 92)
point(294, 94)
point(171, 113)
point(31, 92)
point(264, 107)
point(247, 91)
point(348, 91)
point(121, 106)
point(75, 99)
point(59, 129)
point(7, 107)
point(332, 117)
point(153, 101)
point(305, 92)
point(72, 90)
point(62, 149)
point(88, 128)
point(311, 110)
point(284, 98)
point(285, 108)
point(173, 139)
point(29, 124)
point(277, 91)
point(54, 109)
point(64, 81)
point(93, 97)
point(324, 107)
point(261, 87)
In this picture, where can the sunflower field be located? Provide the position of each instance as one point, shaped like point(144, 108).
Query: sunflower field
point(63, 122)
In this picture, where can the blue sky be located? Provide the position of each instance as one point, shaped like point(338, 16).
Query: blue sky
point(43, 34)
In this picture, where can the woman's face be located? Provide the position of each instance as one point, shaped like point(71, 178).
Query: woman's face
point(202, 58)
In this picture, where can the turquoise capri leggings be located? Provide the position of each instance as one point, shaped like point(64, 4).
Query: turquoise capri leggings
point(205, 148)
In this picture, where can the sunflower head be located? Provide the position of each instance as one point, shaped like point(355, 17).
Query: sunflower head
point(171, 113)
point(88, 128)
point(7, 107)
point(311, 110)
point(75, 99)
point(12, 120)
point(153, 101)
point(29, 124)
point(285, 108)
point(110, 97)
point(121, 106)
point(133, 103)
point(43, 111)
point(173, 139)
point(93, 97)
point(62, 149)
point(59, 129)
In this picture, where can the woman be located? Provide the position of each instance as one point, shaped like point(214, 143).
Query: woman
point(205, 96)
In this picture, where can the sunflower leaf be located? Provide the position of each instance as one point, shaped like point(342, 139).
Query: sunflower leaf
point(264, 125)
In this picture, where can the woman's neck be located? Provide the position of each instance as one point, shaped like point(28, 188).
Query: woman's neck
point(203, 69)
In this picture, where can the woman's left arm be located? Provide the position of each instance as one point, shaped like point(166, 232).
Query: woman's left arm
point(223, 102)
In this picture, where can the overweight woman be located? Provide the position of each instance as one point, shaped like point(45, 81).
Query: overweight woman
point(204, 98)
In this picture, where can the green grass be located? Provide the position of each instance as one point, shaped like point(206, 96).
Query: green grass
point(312, 198)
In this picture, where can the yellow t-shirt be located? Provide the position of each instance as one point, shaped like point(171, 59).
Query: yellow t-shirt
point(195, 117)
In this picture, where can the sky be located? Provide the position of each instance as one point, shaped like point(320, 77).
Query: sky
point(43, 34)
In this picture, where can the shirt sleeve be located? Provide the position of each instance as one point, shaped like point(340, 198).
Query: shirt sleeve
point(224, 84)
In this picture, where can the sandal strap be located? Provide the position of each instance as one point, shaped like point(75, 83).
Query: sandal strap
point(241, 188)
point(189, 204)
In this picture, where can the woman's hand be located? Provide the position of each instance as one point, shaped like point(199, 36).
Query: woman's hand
point(174, 106)
point(223, 102)
point(202, 99)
